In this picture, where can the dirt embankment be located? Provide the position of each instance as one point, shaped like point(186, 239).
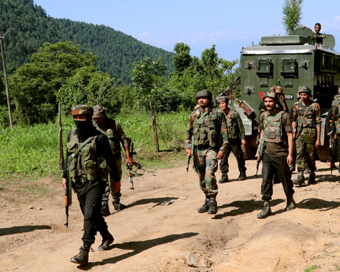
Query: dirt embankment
point(161, 227)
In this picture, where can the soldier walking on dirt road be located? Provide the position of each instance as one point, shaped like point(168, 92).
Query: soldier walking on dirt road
point(116, 136)
point(236, 138)
point(206, 125)
point(308, 115)
point(276, 149)
point(85, 148)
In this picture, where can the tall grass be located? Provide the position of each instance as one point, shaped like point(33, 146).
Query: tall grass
point(32, 151)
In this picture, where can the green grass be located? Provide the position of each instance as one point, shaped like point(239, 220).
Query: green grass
point(311, 268)
point(32, 151)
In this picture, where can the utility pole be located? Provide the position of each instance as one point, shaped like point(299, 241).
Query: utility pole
point(5, 75)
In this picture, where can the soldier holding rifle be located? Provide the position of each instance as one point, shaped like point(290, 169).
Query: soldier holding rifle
point(206, 125)
point(88, 155)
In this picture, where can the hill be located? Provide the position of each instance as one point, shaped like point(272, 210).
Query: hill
point(30, 27)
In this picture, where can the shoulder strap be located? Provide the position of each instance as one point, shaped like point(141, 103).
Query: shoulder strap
point(81, 146)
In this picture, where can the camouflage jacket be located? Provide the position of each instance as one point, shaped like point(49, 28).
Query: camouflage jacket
point(115, 134)
point(307, 119)
point(235, 126)
point(207, 131)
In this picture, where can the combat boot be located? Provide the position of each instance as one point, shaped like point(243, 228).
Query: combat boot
point(266, 210)
point(242, 175)
point(224, 179)
point(311, 179)
point(82, 258)
point(107, 241)
point(212, 206)
point(300, 180)
point(118, 206)
point(205, 206)
point(105, 209)
point(291, 205)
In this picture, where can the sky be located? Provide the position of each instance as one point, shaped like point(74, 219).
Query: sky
point(229, 24)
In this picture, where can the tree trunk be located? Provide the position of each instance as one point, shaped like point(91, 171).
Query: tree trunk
point(61, 153)
point(153, 122)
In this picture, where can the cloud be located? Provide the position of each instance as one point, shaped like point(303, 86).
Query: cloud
point(337, 18)
point(144, 35)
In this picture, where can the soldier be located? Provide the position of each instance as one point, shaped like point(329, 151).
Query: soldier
point(276, 149)
point(331, 129)
point(206, 125)
point(116, 136)
point(87, 151)
point(308, 115)
point(236, 138)
point(318, 37)
point(280, 105)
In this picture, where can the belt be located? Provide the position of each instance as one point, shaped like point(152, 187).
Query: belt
point(202, 147)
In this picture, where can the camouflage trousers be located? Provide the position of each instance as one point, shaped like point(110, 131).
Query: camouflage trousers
point(205, 165)
point(305, 149)
point(111, 185)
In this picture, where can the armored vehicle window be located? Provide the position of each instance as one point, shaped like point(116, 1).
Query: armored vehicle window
point(289, 67)
point(264, 67)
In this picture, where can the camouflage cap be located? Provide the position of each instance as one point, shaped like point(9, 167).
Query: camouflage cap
point(223, 98)
point(305, 89)
point(278, 90)
point(82, 110)
point(269, 94)
point(204, 93)
point(98, 111)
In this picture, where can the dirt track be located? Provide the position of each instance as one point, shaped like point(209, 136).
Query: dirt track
point(161, 226)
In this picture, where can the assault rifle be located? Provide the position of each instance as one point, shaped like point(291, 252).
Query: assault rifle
point(257, 165)
point(68, 197)
point(330, 151)
point(129, 166)
point(230, 89)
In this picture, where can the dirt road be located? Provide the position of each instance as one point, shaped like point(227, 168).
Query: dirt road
point(161, 226)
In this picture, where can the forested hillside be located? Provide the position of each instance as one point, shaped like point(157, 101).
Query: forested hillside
point(30, 27)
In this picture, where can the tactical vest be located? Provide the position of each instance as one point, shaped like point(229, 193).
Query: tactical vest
point(86, 165)
point(232, 125)
point(205, 129)
point(273, 131)
point(309, 120)
point(112, 135)
point(335, 103)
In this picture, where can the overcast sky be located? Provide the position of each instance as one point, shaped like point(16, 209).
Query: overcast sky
point(229, 24)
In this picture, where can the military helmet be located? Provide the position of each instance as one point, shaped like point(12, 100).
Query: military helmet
point(223, 98)
point(204, 93)
point(269, 94)
point(82, 110)
point(305, 89)
point(98, 111)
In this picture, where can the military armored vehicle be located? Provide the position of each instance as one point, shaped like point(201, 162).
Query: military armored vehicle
point(290, 62)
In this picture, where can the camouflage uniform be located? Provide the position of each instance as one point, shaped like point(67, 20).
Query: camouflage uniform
point(309, 118)
point(274, 144)
point(336, 128)
point(206, 132)
point(116, 136)
point(235, 131)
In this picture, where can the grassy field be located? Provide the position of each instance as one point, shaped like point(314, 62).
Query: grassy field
point(32, 151)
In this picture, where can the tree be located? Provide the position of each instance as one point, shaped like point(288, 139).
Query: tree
point(292, 15)
point(35, 84)
point(147, 77)
point(182, 58)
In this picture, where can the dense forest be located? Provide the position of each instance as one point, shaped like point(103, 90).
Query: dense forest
point(30, 28)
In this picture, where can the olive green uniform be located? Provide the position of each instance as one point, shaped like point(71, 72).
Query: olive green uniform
point(116, 136)
point(309, 118)
point(235, 132)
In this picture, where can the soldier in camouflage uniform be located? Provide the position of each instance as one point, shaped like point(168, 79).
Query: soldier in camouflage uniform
point(276, 149)
point(88, 156)
point(330, 129)
point(205, 127)
point(308, 115)
point(236, 138)
point(116, 136)
point(336, 124)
